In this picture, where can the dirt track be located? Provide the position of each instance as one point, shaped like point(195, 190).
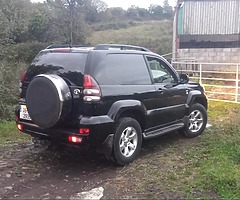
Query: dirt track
point(28, 173)
point(34, 173)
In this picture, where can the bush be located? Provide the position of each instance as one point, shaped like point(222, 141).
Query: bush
point(13, 62)
point(114, 26)
point(10, 73)
point(23, 52)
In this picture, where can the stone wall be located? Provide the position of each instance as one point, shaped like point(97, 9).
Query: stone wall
point(210, 55)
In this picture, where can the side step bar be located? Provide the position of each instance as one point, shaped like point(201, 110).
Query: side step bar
point(163, 130)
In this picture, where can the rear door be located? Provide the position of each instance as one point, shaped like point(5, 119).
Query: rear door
point(65, 63)
point(171, 96)
point(69, 65)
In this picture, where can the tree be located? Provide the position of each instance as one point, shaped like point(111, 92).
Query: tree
point(4, 29)
point(165, 4)
point(167, 10)
point(38, 26)
point(68, 19)
point(98, 5)
point(156, 11)
point(94, 10)
point(132, 12)
point(117, 11)
point(16, 15)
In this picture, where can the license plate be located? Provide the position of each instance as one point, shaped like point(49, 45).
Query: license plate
point(24, 113)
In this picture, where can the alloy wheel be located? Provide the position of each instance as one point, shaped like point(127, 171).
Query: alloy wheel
point(128, 141)
point(195, 121)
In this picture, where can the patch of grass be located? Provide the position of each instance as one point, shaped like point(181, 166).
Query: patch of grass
point(220, 111)
point(221, 169)
point(215, 162)
point(206, 167)
point(9, 133)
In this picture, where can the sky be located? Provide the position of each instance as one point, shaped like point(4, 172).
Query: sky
point(127, 3)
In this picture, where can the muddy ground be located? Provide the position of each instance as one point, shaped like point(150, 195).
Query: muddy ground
point(27, 172)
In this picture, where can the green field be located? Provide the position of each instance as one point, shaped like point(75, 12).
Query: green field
point(154, 35)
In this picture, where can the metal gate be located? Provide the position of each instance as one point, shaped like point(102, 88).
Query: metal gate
point(220, 80)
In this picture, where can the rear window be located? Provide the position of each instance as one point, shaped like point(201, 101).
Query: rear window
point(67, 65)
point(125, 69)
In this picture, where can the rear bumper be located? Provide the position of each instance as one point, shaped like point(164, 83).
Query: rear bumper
point(100, 128)
point(59, 135)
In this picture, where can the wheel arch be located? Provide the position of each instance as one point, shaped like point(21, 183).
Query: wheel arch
point(135, 114)
point(129, 108)
point(202, 101)
point(197, 97)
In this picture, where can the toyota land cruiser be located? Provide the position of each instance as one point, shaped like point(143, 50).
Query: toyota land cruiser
point(109, 97)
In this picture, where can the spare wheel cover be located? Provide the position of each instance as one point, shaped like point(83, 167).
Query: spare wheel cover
point(48, 100)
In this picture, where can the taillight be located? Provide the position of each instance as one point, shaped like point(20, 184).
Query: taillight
point(84, 131)
point(74, 139)
point(91, 89)
point(20, 127)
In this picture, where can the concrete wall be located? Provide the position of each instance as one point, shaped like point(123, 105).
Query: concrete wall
point(210, 55)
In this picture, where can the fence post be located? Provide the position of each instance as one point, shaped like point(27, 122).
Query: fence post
point(237, 76)
point(200, 75)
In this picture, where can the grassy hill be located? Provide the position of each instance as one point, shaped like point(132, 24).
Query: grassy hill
point(154, 35)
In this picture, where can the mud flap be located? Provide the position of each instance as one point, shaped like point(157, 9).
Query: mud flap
point(186, 121)
point(106, 147)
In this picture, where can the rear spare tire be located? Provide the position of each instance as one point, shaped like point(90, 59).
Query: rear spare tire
point(48, 100)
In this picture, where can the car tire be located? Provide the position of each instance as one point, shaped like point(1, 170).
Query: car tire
point(197, 121)
point(127, 141)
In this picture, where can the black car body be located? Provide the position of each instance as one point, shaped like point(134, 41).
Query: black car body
point(83, 95)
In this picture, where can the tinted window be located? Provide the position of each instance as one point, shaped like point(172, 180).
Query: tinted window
point(127, 69)
point(68, 65)
point(161, 73)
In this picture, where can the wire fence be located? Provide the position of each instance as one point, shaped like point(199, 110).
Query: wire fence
point(220, 80)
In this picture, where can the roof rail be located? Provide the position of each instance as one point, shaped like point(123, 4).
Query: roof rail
point(119, 46)
point(55, 46)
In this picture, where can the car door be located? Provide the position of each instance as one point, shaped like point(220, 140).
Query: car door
point(171, 96)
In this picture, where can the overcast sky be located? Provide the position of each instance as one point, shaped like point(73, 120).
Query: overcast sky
point(127, 3)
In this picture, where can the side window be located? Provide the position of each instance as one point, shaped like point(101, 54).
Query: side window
point(127, 69)
point(160, 71)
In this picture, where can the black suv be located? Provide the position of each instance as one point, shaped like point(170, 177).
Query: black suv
point(109, 97)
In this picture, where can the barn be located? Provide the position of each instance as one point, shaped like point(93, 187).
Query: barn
point(207, 31)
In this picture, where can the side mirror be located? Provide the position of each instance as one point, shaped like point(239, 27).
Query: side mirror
point(184, 78)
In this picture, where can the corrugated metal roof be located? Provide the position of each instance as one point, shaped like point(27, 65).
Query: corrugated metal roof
point(211, 17)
